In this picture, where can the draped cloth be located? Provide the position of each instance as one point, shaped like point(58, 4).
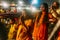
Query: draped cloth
point(40, 31)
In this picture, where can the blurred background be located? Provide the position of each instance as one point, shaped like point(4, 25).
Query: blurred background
point(10, 11)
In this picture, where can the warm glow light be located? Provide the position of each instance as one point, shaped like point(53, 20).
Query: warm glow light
point(20, 3)
point(33, 9)
point(19, 9)
point(5, 4)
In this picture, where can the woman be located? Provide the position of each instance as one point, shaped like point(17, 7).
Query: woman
point(13, 30)
point(55, 11)
point(25, 29)
point(40, 27)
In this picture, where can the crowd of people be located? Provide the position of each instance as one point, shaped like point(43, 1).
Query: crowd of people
point(35, 27)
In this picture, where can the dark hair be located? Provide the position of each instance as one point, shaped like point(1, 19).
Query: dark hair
point(24, 19)
point(46, 6)
point(40, 13)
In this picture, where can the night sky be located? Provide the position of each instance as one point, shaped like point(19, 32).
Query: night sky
point(28, 2)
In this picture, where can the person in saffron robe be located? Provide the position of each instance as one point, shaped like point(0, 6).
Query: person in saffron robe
point(41, 24)
point(25, 28)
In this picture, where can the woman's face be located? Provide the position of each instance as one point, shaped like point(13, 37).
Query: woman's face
point(42, 8)
point(28, 22)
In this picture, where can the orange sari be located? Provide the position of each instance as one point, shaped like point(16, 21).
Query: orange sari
point(40, 32)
